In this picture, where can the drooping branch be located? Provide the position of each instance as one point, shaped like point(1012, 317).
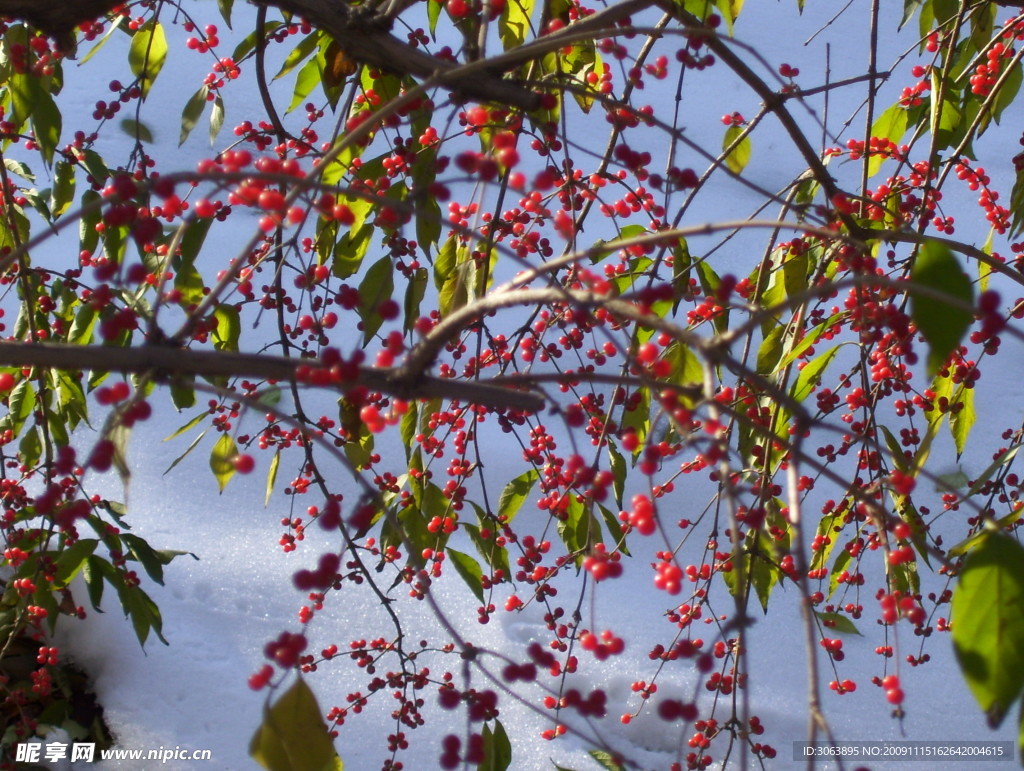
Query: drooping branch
point(170, 362)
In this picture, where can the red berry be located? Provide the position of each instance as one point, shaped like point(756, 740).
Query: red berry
point(243, 463)
point(894, 696)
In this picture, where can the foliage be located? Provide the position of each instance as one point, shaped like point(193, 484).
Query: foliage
point(527, 350)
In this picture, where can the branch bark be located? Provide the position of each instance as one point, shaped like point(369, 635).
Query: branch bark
point(367, 41)
point(183, 362)
point(364, 37)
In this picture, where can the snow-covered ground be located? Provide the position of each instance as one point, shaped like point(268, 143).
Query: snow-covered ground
point(220, 610)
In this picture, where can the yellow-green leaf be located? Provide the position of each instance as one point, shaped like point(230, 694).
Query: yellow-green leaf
point(891, 125)
point(229, 327)
point(515, 493)
point(222, 460)
point(293, 736)
point(272, 476)
point(738, 158)
point(147, 54)
point(809, 375)
point(514, 23)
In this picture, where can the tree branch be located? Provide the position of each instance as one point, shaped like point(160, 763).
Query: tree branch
point(364, 36)
point(183, 362)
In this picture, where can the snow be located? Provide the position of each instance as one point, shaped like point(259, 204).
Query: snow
point(219, 611)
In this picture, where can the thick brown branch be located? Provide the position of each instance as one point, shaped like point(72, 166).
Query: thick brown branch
point(365, 40)
point(57, 19)
point(183, 362)
point(362, 36)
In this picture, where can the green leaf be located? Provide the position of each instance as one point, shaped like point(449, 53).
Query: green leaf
point(25, 92)
point(188, 426)
point(738, 158)
point(88, 238)
point(973, 541)
point(455, 293)
point(618, 468)
point(293, 736)
point(407, 429)
point(377, 286)
point(193, 111)
point(97, 47)
point(307, 79)
point(942, 325)
point(1008, 93)
point(444, 263)
point(515, 493)
point(1017, 204)
point(909, 7)
point(433, 14)
point(95, 572)
point(414, 294)
point(144, 613)
point(152, 561)
point(826, 530)
point(19, 168)
point(514, 23)
point(147, 53)
point(961, 421)
point(770, 352)
point(896, 451)
point(21, 404)
point(351, 248)
point(229, 327)
point(224, 6)
point(222, 460)
point(63, 192)
point(988, 624)
point(497, 748)
point(1002, 459)
point(811, 373)
point(31, 447)
point(46, 124)
point(842, 560)
point(137, 130)
point(838, 623)
point(305, 47)
point(469, 569)
point(72, 559)
point(905, 578)
point(710, 281)
point(216, 118)
point(607, 761)
point(360, 443)
point(119, 436)
point(183, 396)
point(638, 418)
